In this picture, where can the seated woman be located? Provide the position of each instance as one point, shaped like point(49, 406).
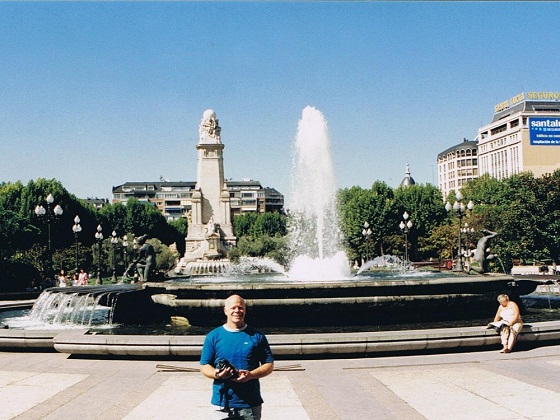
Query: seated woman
point(508, 311)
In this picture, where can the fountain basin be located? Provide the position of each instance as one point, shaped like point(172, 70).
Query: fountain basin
point(284, 346)
point(351, 302)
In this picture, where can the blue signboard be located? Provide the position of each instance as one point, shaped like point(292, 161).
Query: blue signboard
point(544, 131)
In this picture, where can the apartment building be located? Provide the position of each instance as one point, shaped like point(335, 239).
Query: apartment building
point(457, 166)
point(173, 199)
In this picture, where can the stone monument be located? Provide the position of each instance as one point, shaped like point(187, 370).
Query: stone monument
point(210, 231)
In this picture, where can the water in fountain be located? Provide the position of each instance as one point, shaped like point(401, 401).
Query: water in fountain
point(72, 307)
point(315, 242)
point(254, 265)
point(386, 261)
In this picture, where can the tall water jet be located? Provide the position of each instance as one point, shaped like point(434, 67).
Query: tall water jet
point(315, 239)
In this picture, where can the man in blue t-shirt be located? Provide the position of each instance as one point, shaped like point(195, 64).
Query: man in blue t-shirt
point(236, 385)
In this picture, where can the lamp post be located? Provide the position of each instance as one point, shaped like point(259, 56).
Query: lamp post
point(125, 249)
point(99, 238)
point(467, 231)
point(405, 226)
point(49, 215)
point(366, 233)
point(114, 242)
point(466, 252)
point(460, 211)
point(76, 229)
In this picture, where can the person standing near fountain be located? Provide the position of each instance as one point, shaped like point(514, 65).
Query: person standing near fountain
point(62, 279)
point(236, 356)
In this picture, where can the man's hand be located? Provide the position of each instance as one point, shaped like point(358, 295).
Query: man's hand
point(243, 376)
point(225, 373)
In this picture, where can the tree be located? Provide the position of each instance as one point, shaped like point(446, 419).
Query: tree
point(137, 218)
point(426, 210)
point(243, 224)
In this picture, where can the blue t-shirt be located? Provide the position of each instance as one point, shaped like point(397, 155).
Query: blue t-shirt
point(246, 350)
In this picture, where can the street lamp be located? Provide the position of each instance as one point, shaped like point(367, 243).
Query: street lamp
point(125, 249)
point(48, 215)
point(405, 226)
point(467, 231)
point(114, 242)
point(76, 229)
point(99, 238)
point(366, 232)
point(461, 211)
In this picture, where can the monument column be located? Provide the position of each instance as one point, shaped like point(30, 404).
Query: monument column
point(210, 221)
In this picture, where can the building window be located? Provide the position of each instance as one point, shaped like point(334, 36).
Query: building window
point(498, 129)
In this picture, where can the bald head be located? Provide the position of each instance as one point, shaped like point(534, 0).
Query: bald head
point(235, 311)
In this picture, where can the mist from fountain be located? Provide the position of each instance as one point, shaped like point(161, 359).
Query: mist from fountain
point(314, 236)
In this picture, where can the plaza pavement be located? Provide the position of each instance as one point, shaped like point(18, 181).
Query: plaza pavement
point(524, 384)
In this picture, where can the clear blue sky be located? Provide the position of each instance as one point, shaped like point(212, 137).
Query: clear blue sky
point(97, 94)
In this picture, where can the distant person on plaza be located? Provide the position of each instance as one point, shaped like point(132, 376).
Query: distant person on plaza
point(75, 279)
point(236, 388)
point(83, 278)
point(508, 311)
point(62, 279)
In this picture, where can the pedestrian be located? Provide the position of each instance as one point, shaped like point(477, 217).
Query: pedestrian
point(235, 356)
point(83, 278)
point(62, 279)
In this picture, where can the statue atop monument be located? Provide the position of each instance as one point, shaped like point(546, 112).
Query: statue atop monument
point(209, 130)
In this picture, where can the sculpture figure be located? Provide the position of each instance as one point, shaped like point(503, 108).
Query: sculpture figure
point(479, 265)
point(210, 226)
point(145, 263)
point(210, 129)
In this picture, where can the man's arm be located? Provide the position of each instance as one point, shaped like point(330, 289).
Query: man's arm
point(209, 371)
point(262, 371)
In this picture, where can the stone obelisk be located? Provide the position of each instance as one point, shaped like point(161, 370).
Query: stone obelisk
point(210, 230)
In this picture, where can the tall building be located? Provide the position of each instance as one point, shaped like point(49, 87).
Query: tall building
point(457, 166)
point(524, 135)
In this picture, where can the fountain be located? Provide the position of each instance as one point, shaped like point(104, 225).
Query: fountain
point(318, 287)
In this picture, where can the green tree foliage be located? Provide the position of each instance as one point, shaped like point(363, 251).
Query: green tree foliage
point(374, 206)
point(424, 205)
point(257, 224)
point(137, 218)
point(243, 224)
point(262, 246)
point(24, 235)
point(260, 235)
point(512, 208)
